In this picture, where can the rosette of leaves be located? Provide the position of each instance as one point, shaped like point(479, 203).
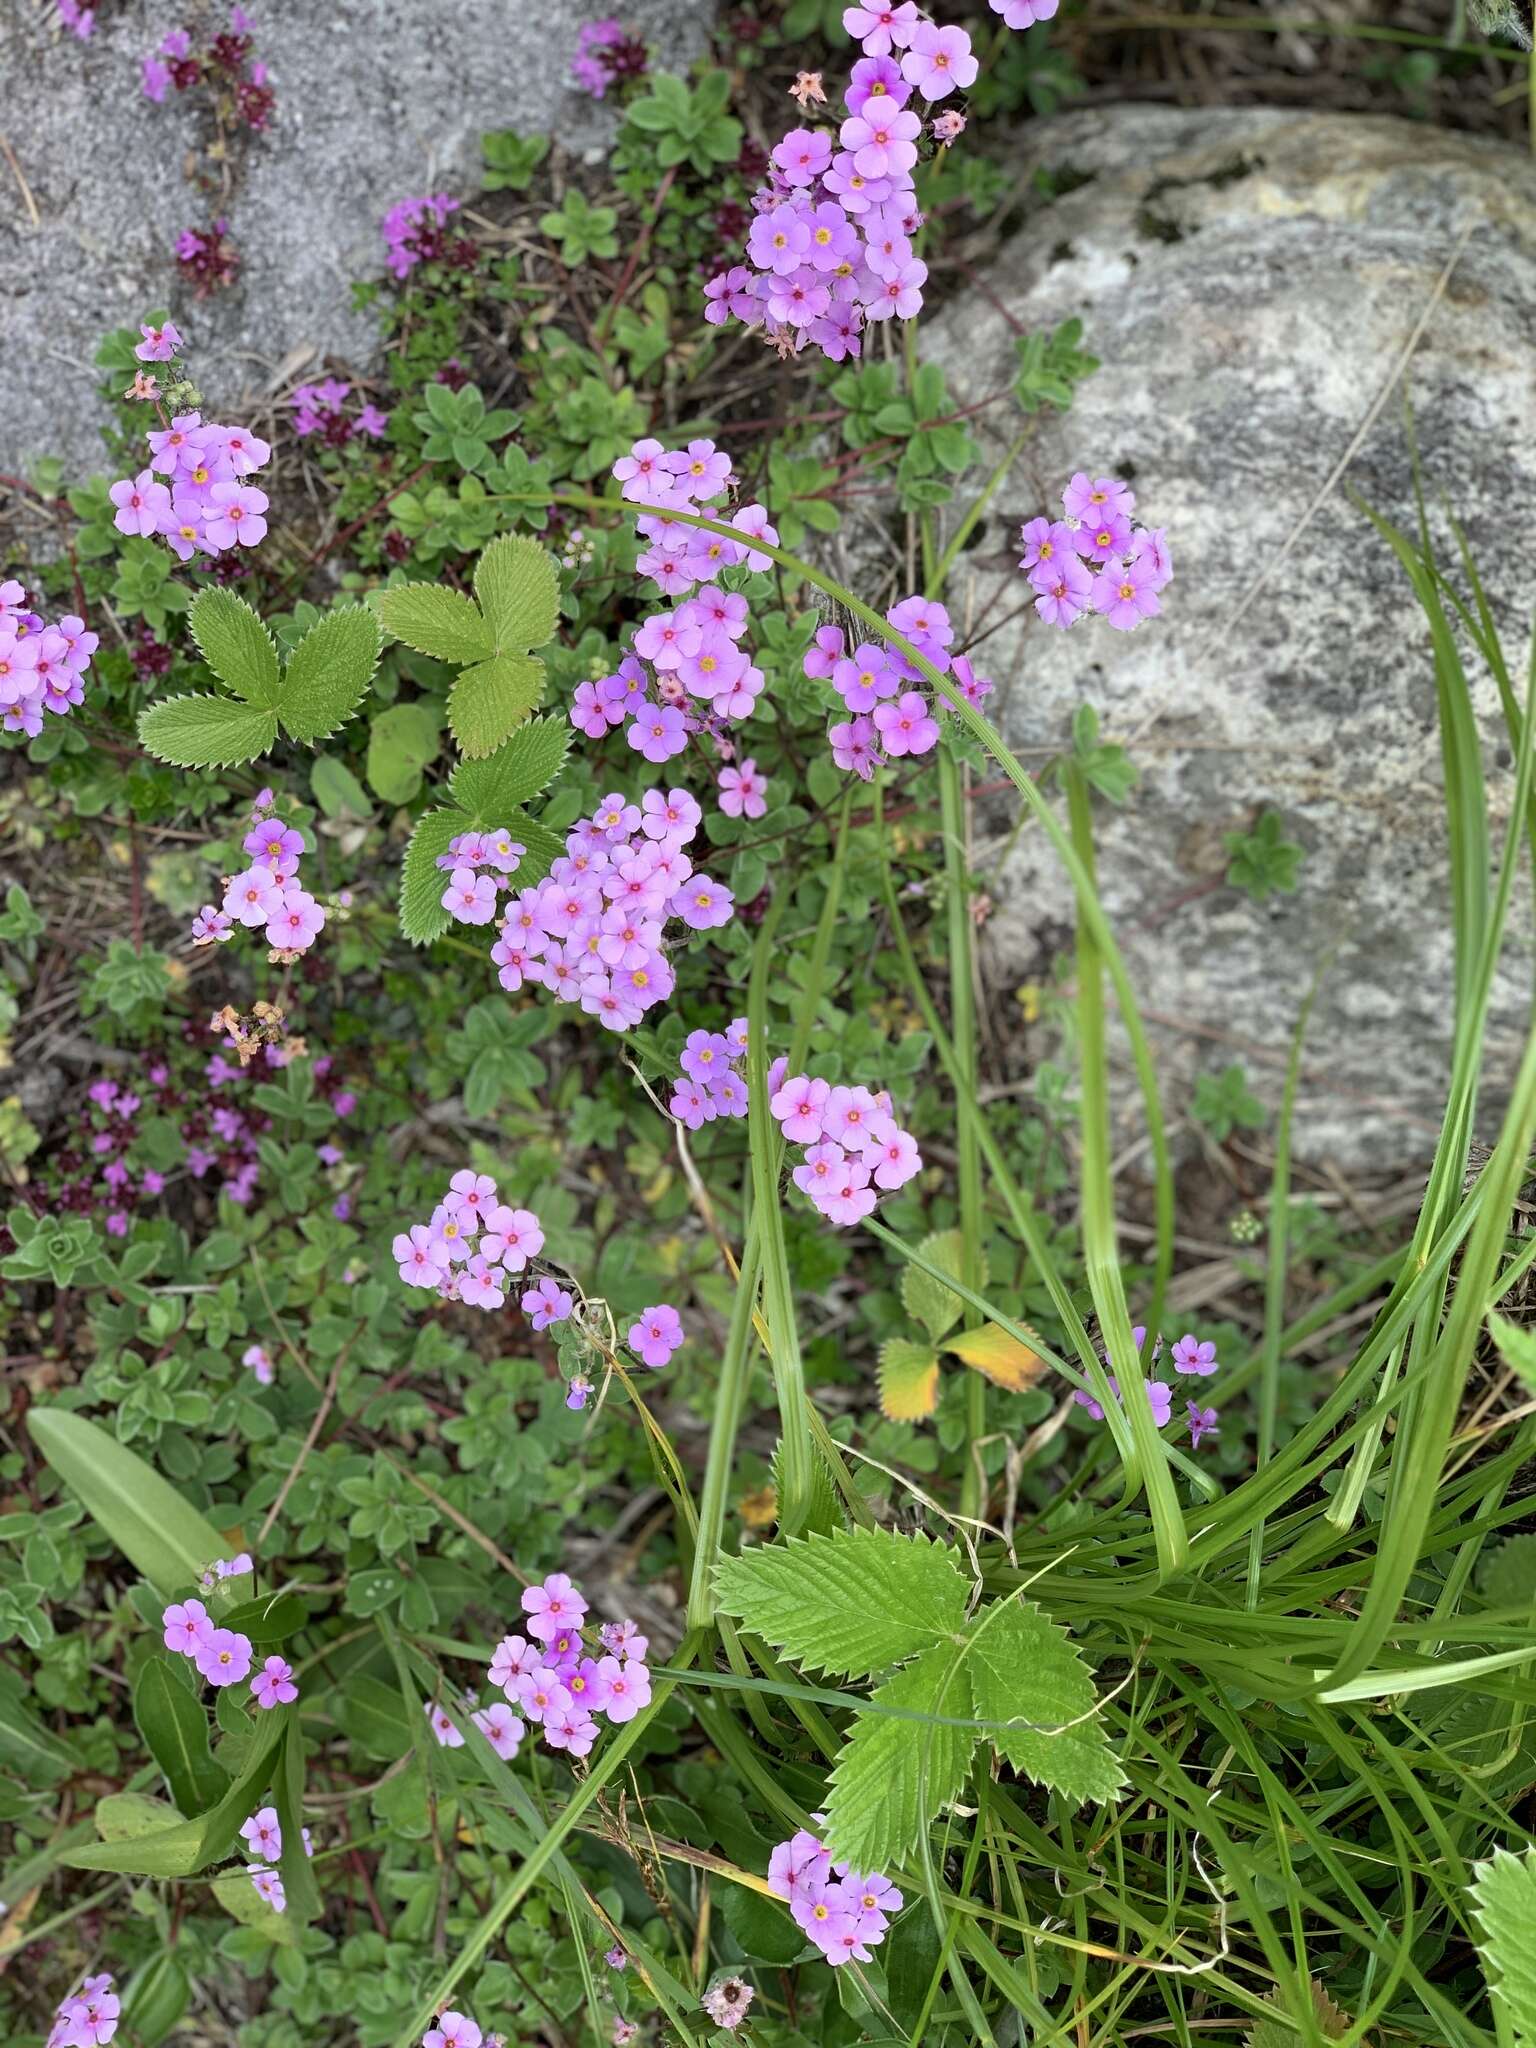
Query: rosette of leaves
point(319, 689)
point(489, 638)
point(869, 1604)
point(909, 1366)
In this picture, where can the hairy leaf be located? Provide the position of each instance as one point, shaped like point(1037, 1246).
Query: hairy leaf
point(1004, 1360)
point(436, 621)
point(1024, 1669)
point(489, 789)
point(329, 672)
point(519, 592)
point(893, 1775)
point(850, 1603)
point(1282, 2032)
point(1504, 1898)
point(236, 645)
point(489, 701)
point(422, 881)
point(937, 1307)
point(206, 732)
point(909, 1379)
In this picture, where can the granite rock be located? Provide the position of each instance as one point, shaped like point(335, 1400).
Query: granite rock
point(1250, 282)
point(377, 99)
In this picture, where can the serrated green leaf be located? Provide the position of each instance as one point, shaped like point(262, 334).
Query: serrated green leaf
point(849, 1603)
point(937, 1307)
point(1504, 1898)
point(490, 789)
point(329, 672)
point(155, 1529)
point(909, 1379)
point(1024, 1669)
point(435, 620)
point(893, 1775)
point(236, 645)
point(422, 881)
point(518, 589)
point(206, 732)
point(1282, 2032)
point(488, 702)
point(1506, 1575)
point(401, 743)
point(174, 1725)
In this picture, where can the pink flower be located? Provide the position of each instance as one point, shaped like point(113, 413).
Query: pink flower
point(255, 897)
point(501, 1729)
point(1064, 592)
point(1124, 593)
point(1090, 500)
point(629, 1687)
point(448, 1734)
point(422, 1258)
point(905, 727)
point(235, 519)
point(1023, 13)
point(224, 1656)
point(877, 27)
point(159, 343)
point(453, 2030)
point(743, 792)
point(263, 1835)
point(187, 1627)
point(547, 1303)
point(657, 1334)
point(514, 1658)
point(900, 294)
point(273, 1685)
point(553, 1606)
point(296, 921)
point(938, 60)
point(141, 504)
point(702, 903)
point(470, 898)
point(542, 1693)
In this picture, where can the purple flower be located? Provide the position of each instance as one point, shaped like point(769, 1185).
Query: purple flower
point(906, 727)
point(1065, 591)
point(743, 792)
point(159, 343)
point(141, 503)
point(702, 903)
point(273, 1685)
point(269, 1886)
point(187, 1627)
point(547, 1303)
point(501, 1729)
point(444, 1729)
point(1202, 1422)
point(938, 60)
point(1090, 500)
point(658, 732)
point(224, 1656)
point(1190, 1355)
point(263, 1834)
point(1124, 593)
point(656, 1335)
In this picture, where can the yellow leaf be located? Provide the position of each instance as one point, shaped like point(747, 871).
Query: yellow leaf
point(909, 1379)
point(1005, 1361)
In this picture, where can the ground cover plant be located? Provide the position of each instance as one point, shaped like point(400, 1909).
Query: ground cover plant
point(588, 1456)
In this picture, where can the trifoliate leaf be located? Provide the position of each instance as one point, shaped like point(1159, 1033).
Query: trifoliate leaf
point(422, 881)
point(909, 1379)
point(436, 621)
point(850, 1603)
point(489, 701)
point(893, 1774)
point(206, 732)
point(1024, 1670)
point(1281, 2032)
point(937, 1307)
point(1504, 1898)
point(529, 762)
point(329, 672)
point(235, 644)
point(401, 743)
point(518, 590)
point(1004, 1360)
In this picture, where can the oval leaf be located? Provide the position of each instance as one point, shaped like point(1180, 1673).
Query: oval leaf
point(174, 1726)
point(206, 732)
point(937, 1307)
point(155, 1529)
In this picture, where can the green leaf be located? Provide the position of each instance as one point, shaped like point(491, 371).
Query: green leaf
point(374, 1718)
point(849, 1603)
point(298, 1876)
point(236, 645)
point(518, 589)
point(909, 1379)
point(1024, 1668)
point(192, 1845)
point(329, 672)
point(27, 1747)
point(422, 881)
point(762, 1927)
point(154, 1528)
point(267, 1621)
point(488, 701)
point(489, 789)
point(206, 732)
point(1283, 2032)
point(174, 1726)
point(1504, 1899)
point(1517, 1348)
point(337, 790)
point(893, 1775)
point(155, 1999)
point(241, 1901)
point(937, 1307)
point(1506, 1575)
point(401, 743)
point(435, 620)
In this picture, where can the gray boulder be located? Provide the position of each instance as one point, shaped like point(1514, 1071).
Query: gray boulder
point(377, 99)
point(1250, 280)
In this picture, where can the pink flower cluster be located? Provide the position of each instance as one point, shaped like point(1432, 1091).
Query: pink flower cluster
point(595, 932)
point(42, 667)
point(268, 893)
point(844, 1912)
point(471, 897)
point(854, 1147)
point(416, 231)
point(80, 21)
point(263, 1835)
point(317, 409)
point(88, 2017)
point(206, 503)
point(224, 62)
point(1096, 557)
point(1191, 1357)
point(554, 1677)
point(473, 1245)
point(830, 248)
point(458, 2030)
point(606, 54)
point(891, 715)
point(695, 650)
point(223, 1655)
point(710, 1085)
